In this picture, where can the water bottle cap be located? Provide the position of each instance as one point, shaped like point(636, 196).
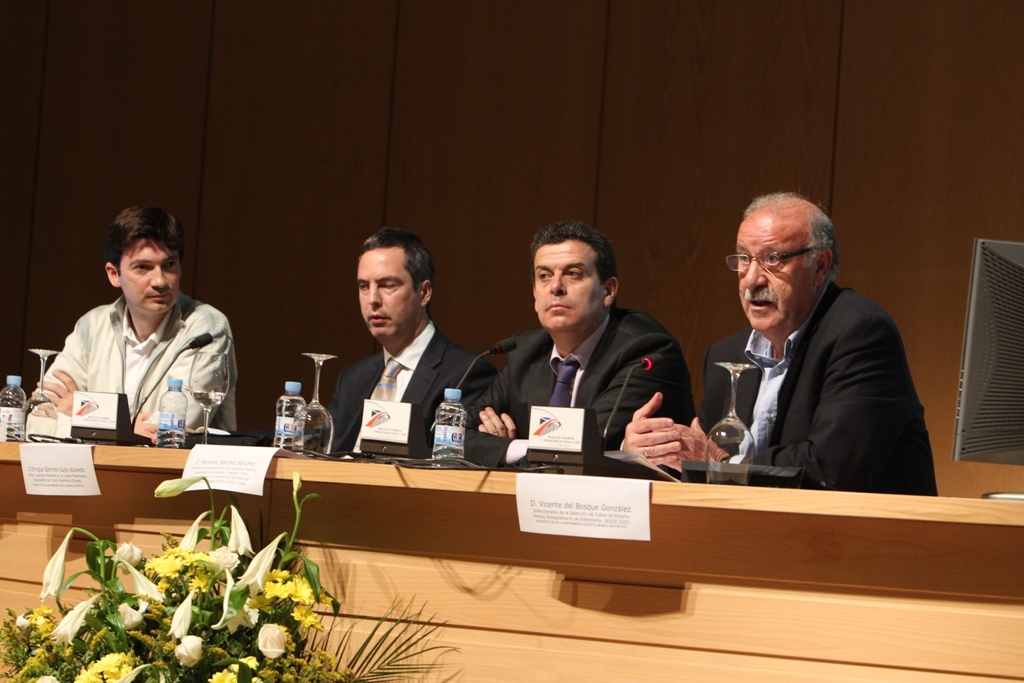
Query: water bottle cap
point(14, 380)
point(174, 384)
point(292, 388)
point(452, 395)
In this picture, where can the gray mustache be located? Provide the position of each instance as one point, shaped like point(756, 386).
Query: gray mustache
point(761, 295)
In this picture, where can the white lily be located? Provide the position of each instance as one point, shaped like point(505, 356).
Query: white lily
point(239, 541)
point(247, 616)
point(296, 481)
point(131, 618)
point(257, 572)
point(130, 676)
point(224, 606)
point(143, 586)
point(53, 575)
point(72, 621)
point(175, 487)
point(191, 537)
point(182, 618)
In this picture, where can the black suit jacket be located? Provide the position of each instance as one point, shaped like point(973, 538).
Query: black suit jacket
point(527, 380)
point(440, 367)
point(847, 411)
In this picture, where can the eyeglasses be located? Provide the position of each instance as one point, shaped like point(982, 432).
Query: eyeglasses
point(771, 261)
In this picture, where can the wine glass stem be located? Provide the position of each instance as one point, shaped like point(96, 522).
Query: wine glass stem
point(42, 372)
point(206, 425)
point(733, 375)
point(316, 382)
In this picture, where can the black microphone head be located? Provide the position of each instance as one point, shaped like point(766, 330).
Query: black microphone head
point(201, 341)
point(504, 346)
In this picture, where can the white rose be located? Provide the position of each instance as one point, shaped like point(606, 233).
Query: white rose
point(189, 651)
point(129, 553)
point(272, 641)
point(47, 679)
point(22, 622)
point(223, 558)
point(132, 618)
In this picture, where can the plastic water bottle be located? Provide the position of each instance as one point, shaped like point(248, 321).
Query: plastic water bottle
point(173, 405)
point(288, 431)
point(450, 427)
point(12, 410)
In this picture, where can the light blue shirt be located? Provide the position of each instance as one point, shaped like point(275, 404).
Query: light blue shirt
point(773, 374)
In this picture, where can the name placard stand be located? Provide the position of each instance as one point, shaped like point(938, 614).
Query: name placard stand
point(122, 434)
point(572, 461)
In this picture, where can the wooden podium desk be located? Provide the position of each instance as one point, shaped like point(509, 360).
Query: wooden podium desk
point(736, 584)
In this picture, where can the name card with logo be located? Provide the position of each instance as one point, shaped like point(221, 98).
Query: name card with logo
point(100, 416)
point(561, 437)
point(392, 428)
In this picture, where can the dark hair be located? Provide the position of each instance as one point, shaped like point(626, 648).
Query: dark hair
point(143, 223)
point(823, 233)
point(417, 257)
point(563, 231)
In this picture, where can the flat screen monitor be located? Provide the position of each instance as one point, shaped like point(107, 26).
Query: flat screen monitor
point(990, 403)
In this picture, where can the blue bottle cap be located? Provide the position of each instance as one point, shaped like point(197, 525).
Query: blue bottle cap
point(174, 384)
point(14, 380)
point(292, 388)
point(452, 395)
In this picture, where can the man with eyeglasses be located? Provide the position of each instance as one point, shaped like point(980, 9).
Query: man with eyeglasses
point(832, 391)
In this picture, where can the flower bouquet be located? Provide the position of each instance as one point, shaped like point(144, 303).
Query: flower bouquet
point(220, 615)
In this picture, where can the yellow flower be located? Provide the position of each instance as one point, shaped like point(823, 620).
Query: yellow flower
point(111, 668)
point(274, 590)
point(167, 566)
point(301, 592)
point(277, 575)
point(250, 661)
point(307, 618)
point(196, 557)
point(38, 616)
point(200, 582)
point(225, 676)
point(259, 602)
point(163, 586)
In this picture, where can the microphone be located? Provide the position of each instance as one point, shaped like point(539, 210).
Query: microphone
point(197, 343)
point(504, 346)
point(646, 364)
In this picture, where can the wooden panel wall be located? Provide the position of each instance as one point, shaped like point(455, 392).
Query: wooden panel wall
point(929, 156)
point(283, 137)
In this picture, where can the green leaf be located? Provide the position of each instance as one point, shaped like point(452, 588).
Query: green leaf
point(312, 575)
point(244, 673)
point(235, 603)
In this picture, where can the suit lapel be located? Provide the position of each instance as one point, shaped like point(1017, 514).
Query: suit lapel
point(426, 370)
point(594, 380)
point(799, 356)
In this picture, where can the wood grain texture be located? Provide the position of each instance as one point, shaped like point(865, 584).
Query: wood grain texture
point(22, 43)
point(293, 183)
point(495, 134)
point(122, 125)
point(929, 156)
point(706, 105)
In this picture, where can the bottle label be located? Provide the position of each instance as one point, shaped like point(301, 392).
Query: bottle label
point(12, 416)
point(288, 426)
point(446, 435)
point(172, 422)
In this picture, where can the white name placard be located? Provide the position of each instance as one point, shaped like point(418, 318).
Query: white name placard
point(556, 429)
point(94, 410)
point(53, 469)
point(591, 507)
point(385, 421)
point(241, 469)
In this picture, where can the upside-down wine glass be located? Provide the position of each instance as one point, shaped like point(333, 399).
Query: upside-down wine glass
point(318, 425)
point(41, 413)
point(208, 382)
point(729, 451)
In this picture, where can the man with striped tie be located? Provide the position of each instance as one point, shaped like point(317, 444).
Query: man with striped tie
point(395, 278)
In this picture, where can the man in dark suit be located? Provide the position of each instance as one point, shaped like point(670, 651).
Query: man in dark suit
point(395, 278)
point(581, 354)
point(832, 390)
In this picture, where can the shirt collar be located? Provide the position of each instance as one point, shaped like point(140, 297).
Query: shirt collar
point(131, 339)
point(410, 356)
point(585, 350)
point(759, 349)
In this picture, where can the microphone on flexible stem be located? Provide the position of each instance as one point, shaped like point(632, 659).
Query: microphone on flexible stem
point(197, 343)
point(646, 364)
point(504, 346)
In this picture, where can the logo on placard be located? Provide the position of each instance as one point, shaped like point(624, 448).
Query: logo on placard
point(548, 424)
point(378, 416)
point(86, 406)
